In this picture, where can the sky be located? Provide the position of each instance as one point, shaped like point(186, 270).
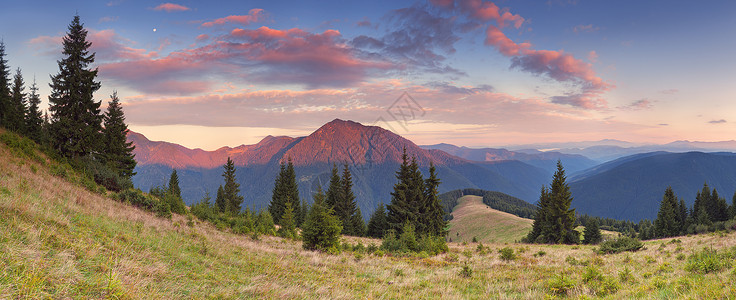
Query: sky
point(475, 73)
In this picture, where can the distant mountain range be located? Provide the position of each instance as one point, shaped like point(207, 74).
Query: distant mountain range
point(628, 187)
point(544, 160)
point(632, 187)
point(372, 153)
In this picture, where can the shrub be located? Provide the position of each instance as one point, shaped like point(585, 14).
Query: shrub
point(707, 261)
point(625, 275)
point(407, 242)
point(466, 271)
point(146, 202)
point(592, 274)
point(621, 244)
point(560, 284)
point(507, 254)
point(540, 253)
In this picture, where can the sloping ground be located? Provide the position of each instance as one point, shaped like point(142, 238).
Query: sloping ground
point(60, 241)
point(472, 218)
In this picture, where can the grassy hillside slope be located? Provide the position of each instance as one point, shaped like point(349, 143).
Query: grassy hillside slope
point(60, 241)
point(472, 218)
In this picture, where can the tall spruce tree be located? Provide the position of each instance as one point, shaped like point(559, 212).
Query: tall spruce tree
point(231, 190)
point(285, 190)
point(118, 152)
point(220, 202)
point(76, 121)
point(346, 209)
point(4, 85)
point(15, 119)
point(700, 207)
point(682, 216)
point(334, 188)
point(554, 220)
point(400, 210)
point(433, 215)
point(174, 188)
point(33, 116)
point(718, 209)
point(540, 219)
point(378, 223)
point(288, 226)
point(666, 224)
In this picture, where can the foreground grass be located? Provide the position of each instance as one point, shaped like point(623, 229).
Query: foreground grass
point(60, 241)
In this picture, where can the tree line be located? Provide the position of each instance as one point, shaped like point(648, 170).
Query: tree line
point(415, 206)
point(74, 126)
point(709, 212)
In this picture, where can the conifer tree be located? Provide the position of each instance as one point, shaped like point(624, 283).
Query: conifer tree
point(34, 117)
point(231, 190)
point(288, 226)
point(76, 121)
point(433, 214)
point(303, 212)
point(540, 219)
point(666, 224)
point(321, 229)
point(346, 209)
point(554, 220)
point(700, 207)
point(718, 209)
point(400, 211)
point(220, 202)
point(17, 107)
point(4, 85)
point(285, 190)
point(174, 184)
point(682, 216)
point(118, 152)
point(592, 233)
point(334, 188)
point(378, 223)
point(732, 209)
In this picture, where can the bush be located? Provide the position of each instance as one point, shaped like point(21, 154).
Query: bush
point(620, 244)
point(466, 271)
point(707, 261)
point(507, 254)
point(407, 242)
point(560, 284)
point(144, 201)
point(104, 175)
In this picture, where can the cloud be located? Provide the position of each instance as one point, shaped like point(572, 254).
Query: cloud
point(253, 16)
point(263, 55)
point(171, 7)
point(491, 113)
point(557, 65)
point(202, 37)
point(486, 11)
point(585, 28)
point(107, 45)
point(721, 121)
point(416, 40)
point(365, 22)
point(641, 104)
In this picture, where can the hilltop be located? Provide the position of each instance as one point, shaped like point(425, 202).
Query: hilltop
point(474, 219)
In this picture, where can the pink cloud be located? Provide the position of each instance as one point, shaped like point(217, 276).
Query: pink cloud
point(486, 11)
point(202, 37)
point(495, 37)
point(641, 104)
point(254, 15)
point(171, 7)
point(557, 65)
point(263, 55)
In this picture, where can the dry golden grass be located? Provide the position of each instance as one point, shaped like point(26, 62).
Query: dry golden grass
point(473, 218)
point(61, 241)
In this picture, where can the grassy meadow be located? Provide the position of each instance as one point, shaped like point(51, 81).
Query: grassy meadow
point(59, 240)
